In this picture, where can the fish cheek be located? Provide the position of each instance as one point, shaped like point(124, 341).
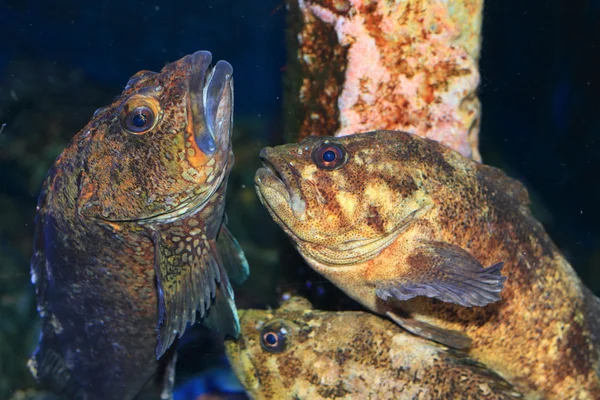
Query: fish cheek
point(121, 180)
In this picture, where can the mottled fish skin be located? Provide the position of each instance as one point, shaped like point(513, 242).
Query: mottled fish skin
point(350, 355)
point(125, 245)
point(400, 216)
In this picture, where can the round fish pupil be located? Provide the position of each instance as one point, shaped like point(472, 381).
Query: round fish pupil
point(139, 120)
point(329, 156)
point(271, 339)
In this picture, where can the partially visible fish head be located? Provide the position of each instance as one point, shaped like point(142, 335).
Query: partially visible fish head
point(163, 146)
point(268, 340)
point(341, 199)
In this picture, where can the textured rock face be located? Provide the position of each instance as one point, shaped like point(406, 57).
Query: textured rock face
point(362, 65)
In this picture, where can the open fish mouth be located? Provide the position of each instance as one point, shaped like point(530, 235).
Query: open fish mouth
point(210, 102)
point(210, 119)
point(268, 176)
point(210, 122)
point(278, 186)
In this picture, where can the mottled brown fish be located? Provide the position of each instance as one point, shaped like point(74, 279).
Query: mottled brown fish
point(413, 230)
point(130, 242)
point(299, 353)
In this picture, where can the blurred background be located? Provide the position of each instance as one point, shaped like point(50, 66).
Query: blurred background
point(61, 60)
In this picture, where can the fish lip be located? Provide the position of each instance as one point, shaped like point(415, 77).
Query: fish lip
point(207, 87)
point(271, 170)
point(276, 174)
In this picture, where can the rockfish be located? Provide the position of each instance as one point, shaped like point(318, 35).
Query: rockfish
point(299, 353)
point(130, 242)
point(443, 245)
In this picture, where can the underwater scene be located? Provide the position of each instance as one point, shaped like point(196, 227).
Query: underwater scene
point(299, 199)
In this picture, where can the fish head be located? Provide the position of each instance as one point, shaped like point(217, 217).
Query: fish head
point(163, 146)
point(341, 199)
point(271, 339)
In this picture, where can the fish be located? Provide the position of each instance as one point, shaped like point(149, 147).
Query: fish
point(296, 352)
point(130, 241)
point(444, 246)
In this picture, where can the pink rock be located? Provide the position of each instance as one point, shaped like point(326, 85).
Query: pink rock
point(362, 65)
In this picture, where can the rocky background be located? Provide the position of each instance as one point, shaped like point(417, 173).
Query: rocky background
point(61, 60)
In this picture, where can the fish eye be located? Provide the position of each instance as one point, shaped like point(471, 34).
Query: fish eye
point(329, 156)
point(139, 120)
point(274, 337)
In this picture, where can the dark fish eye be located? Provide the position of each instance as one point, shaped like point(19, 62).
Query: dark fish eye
point(329, 156)
point(139, 120)
point(273, 338)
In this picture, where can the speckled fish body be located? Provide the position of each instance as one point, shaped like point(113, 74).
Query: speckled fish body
point(128, 235)
point(413, 230)
point(299, 353)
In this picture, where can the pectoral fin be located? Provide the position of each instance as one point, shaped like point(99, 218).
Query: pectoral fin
point(222, 315)
point(450, 338)
point(232, 256)
point(448, 273)
point(190, 274)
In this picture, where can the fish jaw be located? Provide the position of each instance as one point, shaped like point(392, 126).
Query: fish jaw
point(242, 365)
point(241, 352)
point(279, 178)
point(209, 109)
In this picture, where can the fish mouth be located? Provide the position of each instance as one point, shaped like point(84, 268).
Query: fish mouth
point(209, 128)
point(209, 104)
point(278, 187)
point(238, 352)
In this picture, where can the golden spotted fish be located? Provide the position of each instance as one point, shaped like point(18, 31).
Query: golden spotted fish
point(299, 353)
point(444, 246)
point(130, 242)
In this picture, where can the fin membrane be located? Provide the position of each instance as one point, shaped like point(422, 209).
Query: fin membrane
point(222, 315)
point(232, 256)
point(448, 273)
point(190, 274)
point(450, 338)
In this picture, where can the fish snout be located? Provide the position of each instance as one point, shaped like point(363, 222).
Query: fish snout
point(242, 364)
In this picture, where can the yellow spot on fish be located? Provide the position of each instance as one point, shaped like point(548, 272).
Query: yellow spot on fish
point(348, 203)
